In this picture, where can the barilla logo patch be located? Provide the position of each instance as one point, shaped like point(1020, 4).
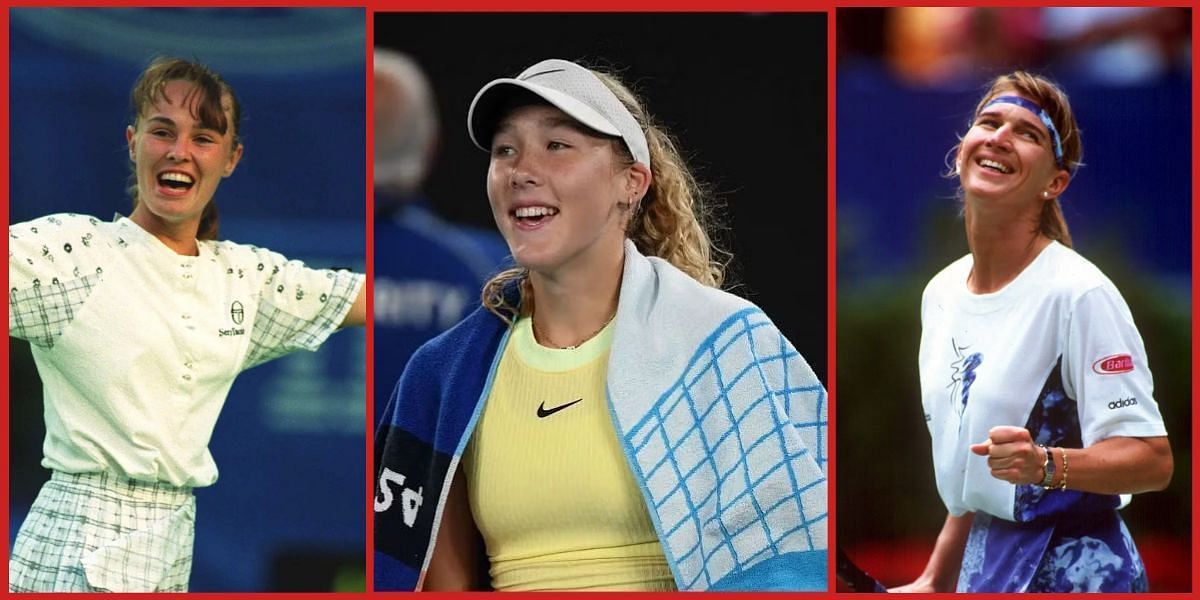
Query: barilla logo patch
point(1111, 365)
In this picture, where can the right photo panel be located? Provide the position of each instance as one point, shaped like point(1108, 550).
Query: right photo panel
point(1013, 299)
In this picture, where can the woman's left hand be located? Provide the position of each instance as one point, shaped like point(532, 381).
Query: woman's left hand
point(1012, 455)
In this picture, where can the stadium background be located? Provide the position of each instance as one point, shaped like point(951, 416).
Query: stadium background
point(907, 82)
point(288, 510)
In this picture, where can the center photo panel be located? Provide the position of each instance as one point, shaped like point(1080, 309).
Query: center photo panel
point(600, 302)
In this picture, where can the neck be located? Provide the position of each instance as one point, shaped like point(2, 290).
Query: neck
point(573, 306)
point(179, 237)
point(1003, 242)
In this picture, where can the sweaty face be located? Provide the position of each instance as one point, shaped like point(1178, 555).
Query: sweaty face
point(554, 188)
point(1007, 152)
point(178, 160)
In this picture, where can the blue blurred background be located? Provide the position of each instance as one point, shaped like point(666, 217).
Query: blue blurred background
point(288, 512)
point(907, 81)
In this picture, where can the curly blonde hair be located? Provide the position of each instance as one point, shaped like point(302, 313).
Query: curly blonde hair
point(1053, 100)
point(672, 221)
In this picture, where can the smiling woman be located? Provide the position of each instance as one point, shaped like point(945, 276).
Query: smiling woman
point(608, 418)
point(540, 157)
point(1034, 380)
point(139, 327)
point(183, 141)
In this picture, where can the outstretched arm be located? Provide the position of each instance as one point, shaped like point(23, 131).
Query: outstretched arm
point(357, 316)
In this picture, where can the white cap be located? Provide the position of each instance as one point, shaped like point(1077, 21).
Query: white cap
point(572, 89)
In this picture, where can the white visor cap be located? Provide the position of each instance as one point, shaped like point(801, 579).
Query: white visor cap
point(569, 87)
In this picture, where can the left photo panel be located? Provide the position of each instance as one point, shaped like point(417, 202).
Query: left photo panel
point(186, 299)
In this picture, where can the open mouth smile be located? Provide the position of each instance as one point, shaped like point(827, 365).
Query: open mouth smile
point(532, 217)
point(175, 181)
point(994, 165)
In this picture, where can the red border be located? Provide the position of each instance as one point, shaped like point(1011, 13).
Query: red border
point(369, 223)
point(4, 150)
point(831, 282)
point(1195, 289)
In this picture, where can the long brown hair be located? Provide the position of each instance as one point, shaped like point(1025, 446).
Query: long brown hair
point(151, 86)
point(1053, 100)
point(673, 221)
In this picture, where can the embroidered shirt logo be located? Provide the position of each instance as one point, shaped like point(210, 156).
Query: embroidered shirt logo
point(1112, 365)
point(237, 312)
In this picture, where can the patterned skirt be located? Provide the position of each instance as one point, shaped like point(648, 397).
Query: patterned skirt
point(92, 532)
point(1091, 552)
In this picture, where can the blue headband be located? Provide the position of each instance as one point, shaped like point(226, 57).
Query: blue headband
point(1037, 110)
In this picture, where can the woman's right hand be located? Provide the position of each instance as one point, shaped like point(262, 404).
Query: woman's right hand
point(922, 585)
point(941, 572)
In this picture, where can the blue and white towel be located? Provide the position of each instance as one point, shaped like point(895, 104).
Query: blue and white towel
point(723, 421)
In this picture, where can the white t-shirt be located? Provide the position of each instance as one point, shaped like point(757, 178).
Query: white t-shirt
point(986, 359)
point(138, 346)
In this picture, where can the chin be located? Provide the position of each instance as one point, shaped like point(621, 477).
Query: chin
point(536, 260)
point(173, 210)
point(531, 263)
point(983, 191)
point(173, 214)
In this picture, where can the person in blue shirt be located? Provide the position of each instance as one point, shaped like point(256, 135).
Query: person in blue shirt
point(428, 272)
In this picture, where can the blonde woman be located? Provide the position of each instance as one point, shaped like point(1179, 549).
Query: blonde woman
point(1034, 379)
point(608, 419)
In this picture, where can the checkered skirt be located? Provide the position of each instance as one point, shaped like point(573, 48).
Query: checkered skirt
point(90, 532)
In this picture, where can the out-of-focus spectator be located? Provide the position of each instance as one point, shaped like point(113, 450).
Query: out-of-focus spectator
point(1119, 45)
point(428, 272)
point(946, 46)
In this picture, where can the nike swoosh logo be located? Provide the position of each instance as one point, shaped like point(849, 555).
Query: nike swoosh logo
point(540, 73)
point(542, 413)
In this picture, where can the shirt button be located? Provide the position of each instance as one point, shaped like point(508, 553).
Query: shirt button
point(187, 377)
point(185, 316)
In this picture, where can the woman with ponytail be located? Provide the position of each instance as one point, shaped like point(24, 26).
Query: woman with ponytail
point(139, 327)
point(1034, 379)
point(608, 418)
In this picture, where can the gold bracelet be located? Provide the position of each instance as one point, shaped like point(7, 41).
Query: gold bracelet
point(1063, 484)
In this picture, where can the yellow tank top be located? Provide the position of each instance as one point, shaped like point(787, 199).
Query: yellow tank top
point(549, 485)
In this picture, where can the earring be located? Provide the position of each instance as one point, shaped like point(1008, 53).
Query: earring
point(1045, 194)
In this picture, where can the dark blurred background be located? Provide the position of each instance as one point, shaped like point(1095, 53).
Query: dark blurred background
point(744, 94)
point(288, 510)
point(907, 81)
